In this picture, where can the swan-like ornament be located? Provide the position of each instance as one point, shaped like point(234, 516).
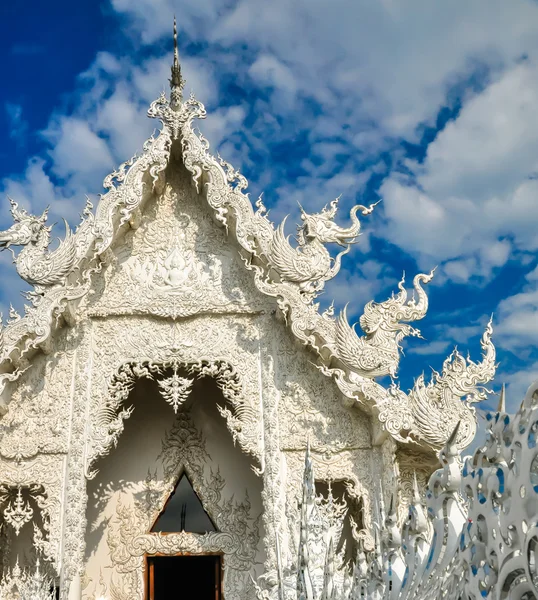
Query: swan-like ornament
point(378, 352)
point(35, 263)
point(437, 405)
point(310, 265)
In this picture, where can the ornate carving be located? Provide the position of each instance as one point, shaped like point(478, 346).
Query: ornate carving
point(200, 350)
point(175, 389)
point(237, 535)
point(378, 352)
point(293, 276)
point(30, 488)
point(23, 584)
point(161, 288)
point(437, 406)
point(172, 260)
point(310, 265)
point(18, 512)
point(34, 263)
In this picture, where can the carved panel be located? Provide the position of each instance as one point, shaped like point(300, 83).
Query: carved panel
point(206, 344)
point(176, 263)
point(35, 418)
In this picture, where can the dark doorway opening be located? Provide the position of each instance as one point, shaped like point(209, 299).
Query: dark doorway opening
point(184, 577)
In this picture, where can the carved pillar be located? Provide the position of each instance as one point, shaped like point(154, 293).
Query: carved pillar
point(385, 469)
point(75, 493)
point(273, 475)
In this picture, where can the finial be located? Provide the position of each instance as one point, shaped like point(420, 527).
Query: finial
point(502, 400)
point(416, 492)
point(176, 81)
point(451, 448)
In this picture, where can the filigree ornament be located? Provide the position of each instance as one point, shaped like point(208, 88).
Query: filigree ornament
point(134, 293)
point(237, 536)
point(27, 584)
point(472, 535)
point(437, 406)
point(35, 264)
point(175, 389)
point(378, 352)
point(18, 512)
point(110, 419)
point(310, 265)
point(291, 275)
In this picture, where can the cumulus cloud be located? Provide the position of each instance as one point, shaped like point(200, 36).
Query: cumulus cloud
point(394, 62)
point(474, 196)
point(518, 316)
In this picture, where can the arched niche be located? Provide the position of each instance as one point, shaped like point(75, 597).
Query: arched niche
point(175, 380)
point(133, 483)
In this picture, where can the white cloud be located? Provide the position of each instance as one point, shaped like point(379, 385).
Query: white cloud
point(267, 70)
point(18, 127)
point(390, 64)
point(435, 347)
point(35, 191)
point(474, 187)
point(518, 317)
point(77, 152)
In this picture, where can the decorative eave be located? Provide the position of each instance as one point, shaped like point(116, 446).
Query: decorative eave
point(293, 276)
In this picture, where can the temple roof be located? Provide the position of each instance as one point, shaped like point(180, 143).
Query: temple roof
point(292, 275)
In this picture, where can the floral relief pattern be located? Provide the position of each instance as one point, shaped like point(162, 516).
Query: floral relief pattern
point(176, 256)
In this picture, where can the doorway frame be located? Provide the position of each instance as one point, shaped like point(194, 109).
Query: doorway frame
point(149, 581)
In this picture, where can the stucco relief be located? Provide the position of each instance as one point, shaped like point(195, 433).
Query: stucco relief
point(201, 342)
point(35, 418)
point(128, 508)
point(237, 534)
point(40, 479)
point(413, 467)
point(176, 262)
point(351, 467)
point(311, 406)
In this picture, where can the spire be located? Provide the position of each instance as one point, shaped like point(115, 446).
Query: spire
point(502, 400)
point(176, 81)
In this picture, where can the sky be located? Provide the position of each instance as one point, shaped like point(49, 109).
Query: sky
point(429, 106)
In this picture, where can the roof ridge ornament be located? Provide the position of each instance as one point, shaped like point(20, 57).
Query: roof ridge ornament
point(177, 83)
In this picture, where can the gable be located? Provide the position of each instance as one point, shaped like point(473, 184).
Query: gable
point(109, 270)
point(177, 262)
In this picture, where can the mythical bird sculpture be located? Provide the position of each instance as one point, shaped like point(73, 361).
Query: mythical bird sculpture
point(437, 405)
point(35, 264)
point(378, 352)
point(311, 265)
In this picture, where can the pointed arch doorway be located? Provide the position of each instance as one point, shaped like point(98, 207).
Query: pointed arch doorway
point(184, 576)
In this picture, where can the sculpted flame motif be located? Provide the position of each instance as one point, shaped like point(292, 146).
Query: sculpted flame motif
point(377, 353)
point(35, 264)
point(432, 404)
point(311, 265)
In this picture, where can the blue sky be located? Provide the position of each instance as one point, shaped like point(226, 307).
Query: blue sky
point(429, 106)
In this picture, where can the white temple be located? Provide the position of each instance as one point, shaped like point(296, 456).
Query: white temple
point(162, 387)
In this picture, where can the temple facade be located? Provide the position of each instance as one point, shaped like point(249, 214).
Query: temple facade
point(172, 367)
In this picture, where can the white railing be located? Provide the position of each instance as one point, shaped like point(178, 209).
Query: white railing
point(473, 536)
